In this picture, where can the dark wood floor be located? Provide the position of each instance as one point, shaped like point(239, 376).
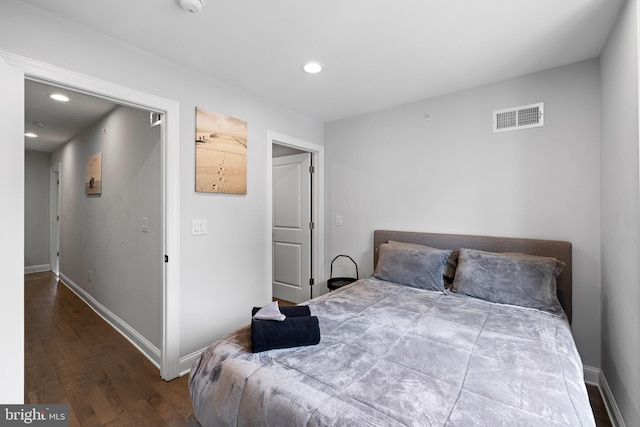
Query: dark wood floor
point(283, 303)
point(597, 404)
point(73, 356)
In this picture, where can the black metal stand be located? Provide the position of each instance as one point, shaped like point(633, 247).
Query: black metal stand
point(337, 282)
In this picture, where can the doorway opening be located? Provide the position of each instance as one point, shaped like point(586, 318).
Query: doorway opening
point(167, 357)
point(107, 237)
point(292, 224)
point(295, 215)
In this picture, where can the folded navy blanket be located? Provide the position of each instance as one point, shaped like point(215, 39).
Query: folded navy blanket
point(289, 311)
point(291, 332)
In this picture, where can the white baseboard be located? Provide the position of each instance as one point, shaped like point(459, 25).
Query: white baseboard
point(610, 403)
point(594, 376)
point(37, 268)
point(145, 347)
point(185, 362)
point(591, 375)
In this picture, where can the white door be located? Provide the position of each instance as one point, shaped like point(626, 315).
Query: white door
point(12, 232)
point(292, 227)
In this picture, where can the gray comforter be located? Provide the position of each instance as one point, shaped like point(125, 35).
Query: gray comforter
point(392, 355)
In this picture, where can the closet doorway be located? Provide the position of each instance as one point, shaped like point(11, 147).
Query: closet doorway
point(295, 214)
point(292, 224)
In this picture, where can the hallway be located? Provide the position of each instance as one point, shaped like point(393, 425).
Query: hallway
point(73, 356)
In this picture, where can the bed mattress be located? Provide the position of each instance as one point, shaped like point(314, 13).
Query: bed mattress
point(393, 355)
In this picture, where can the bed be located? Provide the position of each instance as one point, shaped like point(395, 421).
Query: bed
point(398, 353)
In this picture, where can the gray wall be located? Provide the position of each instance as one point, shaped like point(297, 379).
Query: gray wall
point(228, 264)
point(621, 215)
point(103, 234)
point(394, 169)
point(36, 208)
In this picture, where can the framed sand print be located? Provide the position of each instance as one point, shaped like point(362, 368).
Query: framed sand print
point(221, 153)
point(93, 176)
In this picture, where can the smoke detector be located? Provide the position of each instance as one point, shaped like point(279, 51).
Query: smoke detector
point(192, 6)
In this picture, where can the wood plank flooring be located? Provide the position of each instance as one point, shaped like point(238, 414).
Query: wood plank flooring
point(283, 303)
point(73, 356)
point(597, 405)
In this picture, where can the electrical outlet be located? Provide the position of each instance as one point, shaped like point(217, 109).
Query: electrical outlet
point(145, 225)
point(338, 220)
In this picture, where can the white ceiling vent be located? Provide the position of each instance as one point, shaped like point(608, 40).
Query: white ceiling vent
point(523, 117)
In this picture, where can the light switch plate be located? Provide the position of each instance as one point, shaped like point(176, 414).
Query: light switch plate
point(198, 227)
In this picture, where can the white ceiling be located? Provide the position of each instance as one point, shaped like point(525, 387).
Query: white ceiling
point(57, 122)
point(376, 53)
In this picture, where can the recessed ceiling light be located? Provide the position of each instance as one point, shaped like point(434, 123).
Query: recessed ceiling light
point(59, 97)
point(30, 135)
point(312, 67)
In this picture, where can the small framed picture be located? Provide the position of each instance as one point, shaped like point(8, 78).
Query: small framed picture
point(93, 177)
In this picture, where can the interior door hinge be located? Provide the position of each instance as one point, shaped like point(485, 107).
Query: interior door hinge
point(166, 258)
point(311, 281)
point(58, 218)
point(312, 169)
point(311, 226)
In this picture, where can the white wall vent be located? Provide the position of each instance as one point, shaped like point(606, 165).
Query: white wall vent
point(523, 117)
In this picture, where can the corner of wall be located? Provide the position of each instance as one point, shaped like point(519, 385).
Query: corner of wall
point(610, 402)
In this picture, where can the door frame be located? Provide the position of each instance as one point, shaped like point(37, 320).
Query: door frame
point(317, 210)
point(12, 230)
point(170, 140)
point(54, 223)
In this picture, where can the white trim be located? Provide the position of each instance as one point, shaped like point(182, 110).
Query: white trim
point(187, 361)
point(54, 211)
point(171, 184)
point(591, 375)
point(594, 376)
point(37, 268)
point(149, 350)
point(317, 152)
point(12, 170)
point(610, 403)
point(171, 221)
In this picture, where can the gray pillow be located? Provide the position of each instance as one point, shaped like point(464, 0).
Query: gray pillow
point(419, 268)
point(509, 278)
point(449, 271)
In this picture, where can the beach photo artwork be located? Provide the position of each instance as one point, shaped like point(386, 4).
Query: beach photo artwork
point(93, 177)
point(221, 153)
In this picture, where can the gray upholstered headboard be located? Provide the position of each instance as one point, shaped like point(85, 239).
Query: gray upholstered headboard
point(551, 248)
